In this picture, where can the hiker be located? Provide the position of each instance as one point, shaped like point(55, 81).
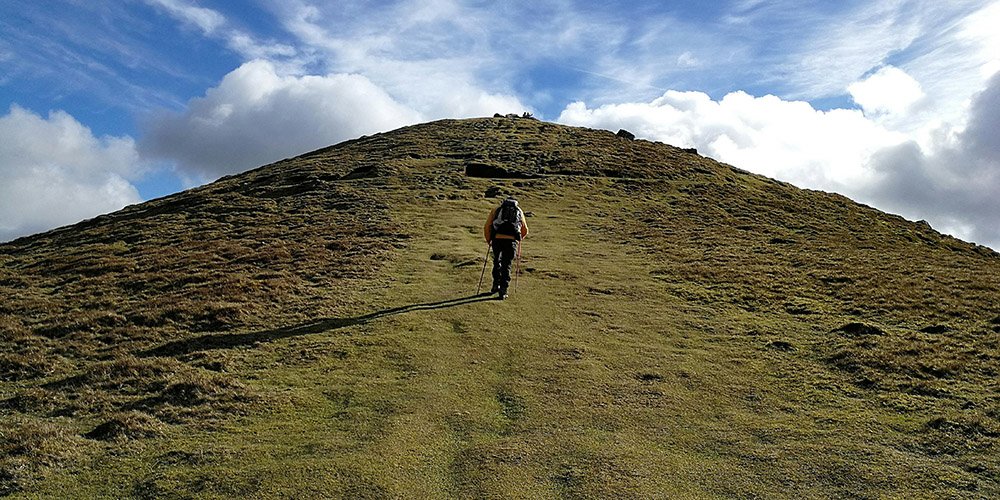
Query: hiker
point(504, 229)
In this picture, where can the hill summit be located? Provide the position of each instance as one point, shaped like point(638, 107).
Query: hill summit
point(679, 327)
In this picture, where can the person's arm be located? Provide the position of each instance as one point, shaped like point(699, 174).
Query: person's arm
point(488, 227)
point(524, 226)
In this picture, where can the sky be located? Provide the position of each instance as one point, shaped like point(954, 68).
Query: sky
point(894, 103)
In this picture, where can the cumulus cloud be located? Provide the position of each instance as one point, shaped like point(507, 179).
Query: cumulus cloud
point(956, 183)
point(951, 180)
point(53, 171)
point(383, 72)
point(887, 91)
point(255, 116)
point(789, 140)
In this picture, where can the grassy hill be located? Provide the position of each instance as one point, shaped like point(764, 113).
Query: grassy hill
point(680, 328)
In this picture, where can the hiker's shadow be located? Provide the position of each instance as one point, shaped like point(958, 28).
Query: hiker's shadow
point(232, 340)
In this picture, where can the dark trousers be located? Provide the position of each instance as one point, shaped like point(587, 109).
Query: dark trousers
point(504, 252)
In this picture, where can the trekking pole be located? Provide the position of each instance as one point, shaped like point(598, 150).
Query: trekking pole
point(483, 275)
point(517, 268)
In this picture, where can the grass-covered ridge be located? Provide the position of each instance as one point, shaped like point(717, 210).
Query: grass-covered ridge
point(680, 328)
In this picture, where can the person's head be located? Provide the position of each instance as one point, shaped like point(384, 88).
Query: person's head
point(511, 199)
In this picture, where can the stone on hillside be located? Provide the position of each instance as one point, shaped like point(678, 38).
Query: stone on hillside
point(625, 134)
point(493, 192)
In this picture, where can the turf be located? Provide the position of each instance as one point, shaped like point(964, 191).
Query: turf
point(679, 328)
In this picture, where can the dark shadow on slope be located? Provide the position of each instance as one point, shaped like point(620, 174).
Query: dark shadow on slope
point(232, 340)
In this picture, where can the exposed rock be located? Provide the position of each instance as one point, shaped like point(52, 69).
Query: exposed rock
point(625, 134)
point(693, 151)
point(493, 192)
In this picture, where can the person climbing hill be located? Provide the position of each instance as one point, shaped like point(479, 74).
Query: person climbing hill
point(504, 229)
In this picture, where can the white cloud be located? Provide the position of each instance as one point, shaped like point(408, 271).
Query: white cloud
point(953, 181)
point(53, 171)
point(207, 20)
point(888, 91)
point(788, 140)
point(980, 31)
point(954, 185)
point(256, 116)
point(687, 60)
point(214, 24)
point(922, 147)
point(431, 57)
point(835, 52)
point(250, 48)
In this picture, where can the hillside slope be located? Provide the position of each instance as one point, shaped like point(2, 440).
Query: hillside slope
point(679, 328)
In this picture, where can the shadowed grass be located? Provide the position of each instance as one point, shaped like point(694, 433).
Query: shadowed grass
point(235, 340)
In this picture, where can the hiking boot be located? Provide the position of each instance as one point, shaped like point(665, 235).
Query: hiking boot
point(495, 289)
point(503, 294)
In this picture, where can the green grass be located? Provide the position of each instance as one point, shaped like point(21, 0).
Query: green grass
point(676, 331)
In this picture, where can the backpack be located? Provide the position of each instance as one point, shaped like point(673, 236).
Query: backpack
point(507, 219)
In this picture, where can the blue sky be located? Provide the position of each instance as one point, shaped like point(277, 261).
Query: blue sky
point(107, 103)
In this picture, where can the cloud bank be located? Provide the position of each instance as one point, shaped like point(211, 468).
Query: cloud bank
point(951, 178)
point(53, 171)
point(257, 115)
point(955, 183)
point(789, 140)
